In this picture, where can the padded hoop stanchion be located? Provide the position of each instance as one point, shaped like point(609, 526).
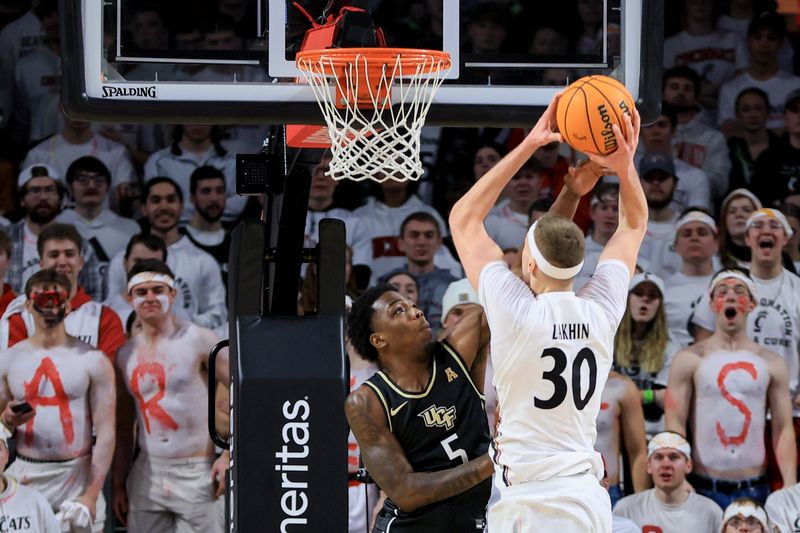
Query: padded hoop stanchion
point(212, 394)
point(374, 101)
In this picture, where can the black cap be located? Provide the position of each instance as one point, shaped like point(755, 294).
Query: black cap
point(769, 20)
point(662, 162)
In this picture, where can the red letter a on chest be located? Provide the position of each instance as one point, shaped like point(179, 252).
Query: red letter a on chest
point(47, 369)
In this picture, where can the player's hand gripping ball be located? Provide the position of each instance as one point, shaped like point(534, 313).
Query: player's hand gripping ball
point(586, 111)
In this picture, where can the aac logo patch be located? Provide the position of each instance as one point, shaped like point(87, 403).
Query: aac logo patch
point(441, 417)
point(450, 374)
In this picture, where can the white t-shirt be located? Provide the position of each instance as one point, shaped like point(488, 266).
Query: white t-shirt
point(180, 168)
point(712, 56)
point(657, 245)
point(24, 509)
point(777, 88)
point(506, 227)
point(739, 27)
point(683, 294)
point(313, 219)
point(540, 346)
point(783, 508)
point(593, 249)
point(774, 323)
point(37, 93)
point(375, 238)
point(623, 525)
point(697, 514)
point(58, 153)
point(111, 231)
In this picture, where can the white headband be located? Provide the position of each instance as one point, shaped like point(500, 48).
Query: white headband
point(668, 439)
point(746, 509)
point(767, 212)
point(727, 274)
point(147, 277)
point(544, 265)
point(696, 216)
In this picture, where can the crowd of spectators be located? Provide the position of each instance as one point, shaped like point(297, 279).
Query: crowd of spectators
point(720, 167)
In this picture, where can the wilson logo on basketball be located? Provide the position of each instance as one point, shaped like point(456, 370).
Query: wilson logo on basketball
point(439, 417)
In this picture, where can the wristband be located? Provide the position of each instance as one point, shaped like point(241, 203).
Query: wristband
point(648, 396)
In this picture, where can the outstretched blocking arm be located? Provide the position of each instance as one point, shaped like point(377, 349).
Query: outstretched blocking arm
point(387, 463)
point(475, 247)
point(470, 338)
point(624, 244)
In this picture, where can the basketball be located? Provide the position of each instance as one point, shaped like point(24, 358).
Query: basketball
point(586, 111)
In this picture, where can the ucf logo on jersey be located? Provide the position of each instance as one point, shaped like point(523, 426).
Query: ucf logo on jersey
point(442, 417)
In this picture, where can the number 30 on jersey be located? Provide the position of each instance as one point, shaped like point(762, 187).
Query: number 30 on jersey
point(556, 377)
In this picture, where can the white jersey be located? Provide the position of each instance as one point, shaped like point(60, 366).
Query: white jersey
point(58, 153)
point(683, 294)
point(774, 323)
point(541, 345)
point(697, 514)
point(777, 88)
point(198, 280)
point(730, 411)
point(375, 239)
point(25, 509)
point(783, 508)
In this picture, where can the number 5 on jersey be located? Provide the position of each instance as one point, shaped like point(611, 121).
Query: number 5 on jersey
point(451, 453)
point(555, 376)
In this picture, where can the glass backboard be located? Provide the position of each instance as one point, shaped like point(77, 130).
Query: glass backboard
point(232, 61)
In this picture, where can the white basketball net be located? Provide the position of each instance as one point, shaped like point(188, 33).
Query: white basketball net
point(380, 141)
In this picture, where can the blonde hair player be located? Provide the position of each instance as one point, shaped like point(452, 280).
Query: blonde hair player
point(551, 348)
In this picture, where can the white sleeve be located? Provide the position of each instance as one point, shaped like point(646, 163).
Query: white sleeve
point(703, 316)
point(504, 297)
point(608, 288)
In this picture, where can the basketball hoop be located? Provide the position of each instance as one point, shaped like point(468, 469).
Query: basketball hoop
point(374, 101)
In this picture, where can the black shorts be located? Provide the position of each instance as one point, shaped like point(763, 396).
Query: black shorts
point(465, 513)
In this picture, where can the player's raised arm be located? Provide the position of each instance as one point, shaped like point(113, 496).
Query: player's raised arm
point(475, 247)
point(624, 244)
point(387, 463)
